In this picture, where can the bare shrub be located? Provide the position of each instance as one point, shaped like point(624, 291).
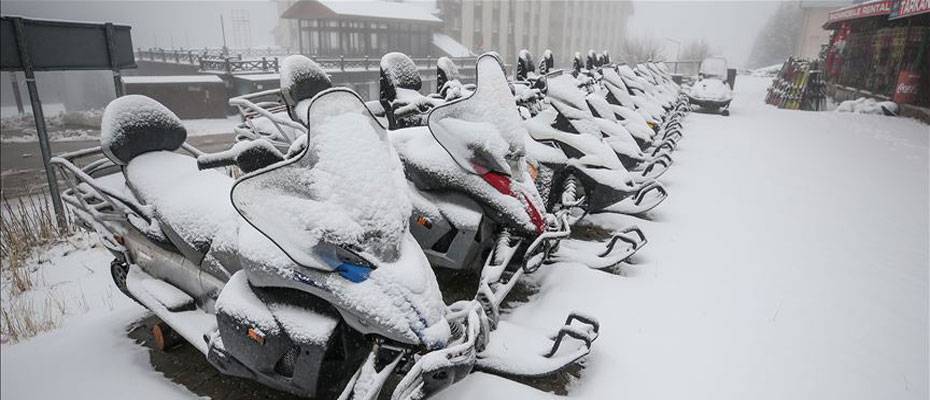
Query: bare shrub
point(26, 223)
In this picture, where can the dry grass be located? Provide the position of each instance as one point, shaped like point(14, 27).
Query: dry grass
point(27, 224)
point(22, 318)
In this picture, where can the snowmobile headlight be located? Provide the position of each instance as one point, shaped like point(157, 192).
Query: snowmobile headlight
point(348, 265)
point(353, 272)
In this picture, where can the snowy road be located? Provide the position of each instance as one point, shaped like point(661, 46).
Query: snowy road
point(789, 262)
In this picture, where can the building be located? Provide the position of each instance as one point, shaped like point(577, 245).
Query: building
point(188, 96)
point(565, 27)
point(332, 28)
point(811, 36)
point(880, 48)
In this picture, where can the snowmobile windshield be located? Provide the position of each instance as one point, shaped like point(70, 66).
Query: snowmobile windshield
point(344, 197)
point(483, 132)
point(714, 67)
point(567, 97)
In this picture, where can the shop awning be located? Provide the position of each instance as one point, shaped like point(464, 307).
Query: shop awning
point(862, 10)
point(893, 9)
point(909, 8)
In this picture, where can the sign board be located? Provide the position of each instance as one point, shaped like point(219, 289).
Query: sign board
point(861, 10)
point(65, 45)
point(909, 8)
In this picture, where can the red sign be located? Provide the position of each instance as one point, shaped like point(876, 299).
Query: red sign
point(910, 8)
point(868, 9)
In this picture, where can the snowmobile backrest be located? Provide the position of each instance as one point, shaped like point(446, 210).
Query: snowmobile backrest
point(399, 71)
point(301, 79)
point(446, 71)
point(136, 124)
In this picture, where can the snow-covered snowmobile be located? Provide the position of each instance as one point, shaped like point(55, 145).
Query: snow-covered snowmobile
point(302, 289)
point(586, 140)
point(712, 92)
point(317, 289)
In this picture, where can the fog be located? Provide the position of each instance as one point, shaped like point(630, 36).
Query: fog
point(168, 24)
point(729, 27)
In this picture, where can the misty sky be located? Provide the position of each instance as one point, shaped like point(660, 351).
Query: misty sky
point(729, 26)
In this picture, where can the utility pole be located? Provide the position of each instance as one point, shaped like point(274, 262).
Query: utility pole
point(223, 30)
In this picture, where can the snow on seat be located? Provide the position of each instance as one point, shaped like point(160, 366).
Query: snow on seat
point(192, 206)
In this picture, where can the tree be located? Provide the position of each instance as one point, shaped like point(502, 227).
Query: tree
point(696, 50)
point(641, 49)
point(778, 38)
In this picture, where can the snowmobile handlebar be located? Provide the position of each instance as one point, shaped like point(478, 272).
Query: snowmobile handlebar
point(247, 155)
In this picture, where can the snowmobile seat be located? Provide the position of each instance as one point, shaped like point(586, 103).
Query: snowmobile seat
point(191, 206)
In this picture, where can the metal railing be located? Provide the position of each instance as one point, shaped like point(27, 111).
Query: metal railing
point(248, 61)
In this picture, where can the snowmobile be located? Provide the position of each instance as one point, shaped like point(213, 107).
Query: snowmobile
point(319, 290)
point(712, 92)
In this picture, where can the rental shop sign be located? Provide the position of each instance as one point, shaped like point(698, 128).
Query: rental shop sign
point(909, 8)
point(870, 9)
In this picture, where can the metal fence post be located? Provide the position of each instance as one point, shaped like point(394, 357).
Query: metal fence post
point(39, 118)
point(14, 81)
point(110, 33)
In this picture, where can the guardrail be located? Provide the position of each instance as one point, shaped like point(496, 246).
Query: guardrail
point(209, 61)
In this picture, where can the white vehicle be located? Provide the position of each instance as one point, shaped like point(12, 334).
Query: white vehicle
point(712, 92)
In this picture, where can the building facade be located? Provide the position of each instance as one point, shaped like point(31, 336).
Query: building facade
point(330, 28)
point(565, 27)
point(812, 37)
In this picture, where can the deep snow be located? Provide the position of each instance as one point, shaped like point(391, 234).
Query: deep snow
point(789, 262)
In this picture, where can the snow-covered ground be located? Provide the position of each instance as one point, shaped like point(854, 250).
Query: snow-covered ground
point(789, 262)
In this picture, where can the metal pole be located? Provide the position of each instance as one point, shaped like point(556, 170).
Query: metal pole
point(39, 117)
point(14, 81)
point(110, 34)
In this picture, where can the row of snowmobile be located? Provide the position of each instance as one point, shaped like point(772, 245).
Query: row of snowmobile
point(312, 271)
